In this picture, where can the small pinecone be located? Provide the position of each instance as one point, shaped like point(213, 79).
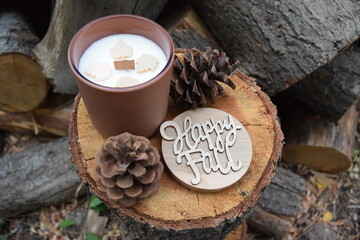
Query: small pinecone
point(128, 168)
point(195, 76)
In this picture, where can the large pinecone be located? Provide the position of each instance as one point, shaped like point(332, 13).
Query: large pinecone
point(195, 76)
point(128, 168)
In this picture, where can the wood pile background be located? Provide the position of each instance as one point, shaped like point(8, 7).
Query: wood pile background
point(305, 55)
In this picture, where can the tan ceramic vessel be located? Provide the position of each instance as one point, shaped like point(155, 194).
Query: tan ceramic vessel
point(139, 109)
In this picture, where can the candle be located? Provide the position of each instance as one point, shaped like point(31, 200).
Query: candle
point(122, 66)
point(122, 60)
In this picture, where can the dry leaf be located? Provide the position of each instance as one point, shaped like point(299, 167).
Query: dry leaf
point(95, 223)
point(322, 180)
point(45, 221)
point(339, 222)
point(327, 217)
point(324, 162)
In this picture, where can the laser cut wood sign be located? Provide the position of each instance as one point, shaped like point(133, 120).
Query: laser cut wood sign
point(206, 149)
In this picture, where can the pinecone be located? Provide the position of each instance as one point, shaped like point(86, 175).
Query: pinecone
point(195, 76)
point(128, 168)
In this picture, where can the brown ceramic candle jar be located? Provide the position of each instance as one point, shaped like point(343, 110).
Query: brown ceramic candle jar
point(138, 109)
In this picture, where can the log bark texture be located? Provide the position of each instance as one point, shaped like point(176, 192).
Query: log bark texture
point(16, 34)
point(280, 43)
point(284, 194)
point(316, 142)
point(279, 205)
point(1, 142)
point(36, 177)
point(175, 211)
point(188, 30)
point(23, 86)
point(271, 224)
point(332, 89)
point(67, 18)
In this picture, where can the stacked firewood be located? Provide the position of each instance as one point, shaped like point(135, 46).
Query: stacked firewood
point(312, 75)
point(37, 92)
point(303, 54)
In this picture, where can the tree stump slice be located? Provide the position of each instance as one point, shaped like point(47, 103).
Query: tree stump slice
point(176, 211)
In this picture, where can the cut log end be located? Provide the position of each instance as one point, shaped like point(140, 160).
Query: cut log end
point(316, 142)
point(23, 86)
point(176, 210)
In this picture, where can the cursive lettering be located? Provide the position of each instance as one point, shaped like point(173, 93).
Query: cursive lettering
point(193, 135)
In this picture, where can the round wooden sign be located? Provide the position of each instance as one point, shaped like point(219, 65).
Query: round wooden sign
point(206, 149)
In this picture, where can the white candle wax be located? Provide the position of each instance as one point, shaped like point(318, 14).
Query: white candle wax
point(98, 60)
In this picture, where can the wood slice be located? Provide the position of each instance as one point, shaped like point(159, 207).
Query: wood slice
point(23, 86)
point(176, 211)
point(67, 18)
point(279, 43)
point(218, 178)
